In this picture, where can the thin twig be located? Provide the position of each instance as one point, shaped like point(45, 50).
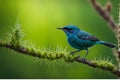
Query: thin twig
point(105, 14)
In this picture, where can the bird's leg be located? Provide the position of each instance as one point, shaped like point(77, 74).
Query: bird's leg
point(85, 55)
point(74, 52)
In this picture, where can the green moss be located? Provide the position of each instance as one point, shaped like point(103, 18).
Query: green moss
point(69, 58)
point(104, 64)
point(16, 36)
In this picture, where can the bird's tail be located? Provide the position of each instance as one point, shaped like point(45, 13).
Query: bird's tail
point(108, 44)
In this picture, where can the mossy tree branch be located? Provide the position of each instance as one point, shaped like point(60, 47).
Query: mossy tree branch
point(104, 65)
point(53, 55)
point(15, 44)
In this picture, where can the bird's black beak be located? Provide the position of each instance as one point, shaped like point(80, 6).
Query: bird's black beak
point(60, 28)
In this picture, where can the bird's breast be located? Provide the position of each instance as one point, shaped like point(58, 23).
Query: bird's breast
point(79, 43)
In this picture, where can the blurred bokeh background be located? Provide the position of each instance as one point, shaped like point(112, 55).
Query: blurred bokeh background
point(39, 20)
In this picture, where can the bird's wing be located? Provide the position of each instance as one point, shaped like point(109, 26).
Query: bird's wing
point(86, 36)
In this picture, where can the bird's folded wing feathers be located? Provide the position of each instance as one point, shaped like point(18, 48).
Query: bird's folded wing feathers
point(86, 36)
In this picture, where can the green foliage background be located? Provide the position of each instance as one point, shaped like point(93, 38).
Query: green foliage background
point(39, 19)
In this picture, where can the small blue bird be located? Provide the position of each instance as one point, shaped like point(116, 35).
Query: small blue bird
point(82, 40)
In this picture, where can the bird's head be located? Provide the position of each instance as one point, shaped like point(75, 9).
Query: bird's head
point(71, 29)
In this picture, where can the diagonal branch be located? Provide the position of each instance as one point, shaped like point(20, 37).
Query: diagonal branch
point(105, 13)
